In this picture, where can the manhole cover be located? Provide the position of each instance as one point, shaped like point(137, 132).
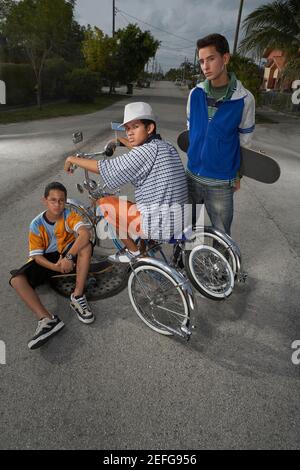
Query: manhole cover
point(108, 281)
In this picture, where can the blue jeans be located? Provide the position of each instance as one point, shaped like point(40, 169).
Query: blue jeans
point(218, 201)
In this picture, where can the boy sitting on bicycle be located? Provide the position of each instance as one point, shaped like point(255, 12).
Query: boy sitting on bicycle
point(58, 241)
point(154, 168)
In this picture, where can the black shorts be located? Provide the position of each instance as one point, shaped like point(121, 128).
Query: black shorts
point(36, 274)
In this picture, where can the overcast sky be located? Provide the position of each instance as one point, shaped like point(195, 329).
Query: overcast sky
point(188, 19)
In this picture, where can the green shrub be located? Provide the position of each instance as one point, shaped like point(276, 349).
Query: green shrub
point(82, 86)
point(248, 72)
point(54, 78)
point(20, 83)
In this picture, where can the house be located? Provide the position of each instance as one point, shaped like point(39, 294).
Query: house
point(276, 61)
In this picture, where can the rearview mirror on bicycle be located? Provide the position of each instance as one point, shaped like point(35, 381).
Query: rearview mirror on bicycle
point(77, 137)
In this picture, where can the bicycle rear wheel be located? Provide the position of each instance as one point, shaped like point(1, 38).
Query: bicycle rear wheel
point(204, 237)
point(209, 272)
point(158, 300)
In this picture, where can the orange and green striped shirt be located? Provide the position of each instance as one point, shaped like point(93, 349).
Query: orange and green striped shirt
point(48, 237)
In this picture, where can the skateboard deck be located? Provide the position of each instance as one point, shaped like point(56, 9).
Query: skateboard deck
point(254, 163)
point(95, 268)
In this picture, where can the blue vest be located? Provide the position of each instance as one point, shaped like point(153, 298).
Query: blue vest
point(214, 150)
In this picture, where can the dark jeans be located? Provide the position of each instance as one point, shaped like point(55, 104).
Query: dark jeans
point(218, 201)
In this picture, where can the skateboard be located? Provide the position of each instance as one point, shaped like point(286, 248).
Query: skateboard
point(104, 280)
point(254, 163)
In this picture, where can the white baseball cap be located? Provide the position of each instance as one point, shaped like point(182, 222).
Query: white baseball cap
point(138, 110)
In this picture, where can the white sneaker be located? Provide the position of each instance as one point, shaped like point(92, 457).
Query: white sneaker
point(123, 256)
point(46, 328)
point(82, 309)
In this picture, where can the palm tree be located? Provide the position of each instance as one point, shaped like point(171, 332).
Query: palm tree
point(275, 25)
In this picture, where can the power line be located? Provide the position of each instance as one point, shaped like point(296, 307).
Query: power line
point(124, 18)
point(162, 42)
point(125, 21)
point(176, 48)
point(162, 47)
point(154, 27)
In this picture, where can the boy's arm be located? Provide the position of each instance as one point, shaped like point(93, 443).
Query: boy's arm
point(90, 165)
point(64, 265)
point(81, 241)
point(247, 124)
point(246, 130)
point(188, 111)
point(42, 261)
point(124, 142)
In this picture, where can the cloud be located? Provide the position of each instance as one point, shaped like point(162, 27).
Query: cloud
point(189, 19)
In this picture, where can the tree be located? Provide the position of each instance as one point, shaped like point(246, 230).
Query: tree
point(135, 48)
point(100, 53)
point(187, 70)
point(247, 71)
point(40, 27)
point(172, 74)
point(71, 49)
point(275, 25)
point(5, 8)
point(121, 58)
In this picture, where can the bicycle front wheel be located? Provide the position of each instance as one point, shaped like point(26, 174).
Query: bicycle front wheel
point(209, 272)
point(158, 300)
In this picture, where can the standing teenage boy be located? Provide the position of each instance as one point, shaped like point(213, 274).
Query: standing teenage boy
point(58, 240)
point(154, 168)
point(220, 117)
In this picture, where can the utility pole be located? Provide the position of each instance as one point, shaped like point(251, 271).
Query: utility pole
point(195, 61)
point(112, 85)
point(237, 29)
point(153, 60)
point(183, 68)
point(114, 18)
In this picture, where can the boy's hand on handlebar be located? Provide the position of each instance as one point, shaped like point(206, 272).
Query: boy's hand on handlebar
point(110, 147)
point(69, 165)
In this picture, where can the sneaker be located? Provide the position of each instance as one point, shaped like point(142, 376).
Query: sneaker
point(46, 328)
point(123, 256)
point(81, 307)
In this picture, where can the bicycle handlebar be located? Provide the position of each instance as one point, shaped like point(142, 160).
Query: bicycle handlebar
point(95, 190)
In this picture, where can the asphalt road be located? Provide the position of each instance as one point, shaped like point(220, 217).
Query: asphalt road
point(115, 384)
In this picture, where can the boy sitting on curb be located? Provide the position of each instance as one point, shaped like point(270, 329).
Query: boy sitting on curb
point(58, 240)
